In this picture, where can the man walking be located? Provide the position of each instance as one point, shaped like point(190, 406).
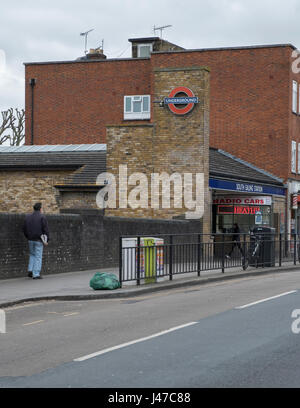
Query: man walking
point(35, 225)
point(235, 240)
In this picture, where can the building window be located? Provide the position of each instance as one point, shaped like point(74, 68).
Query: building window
point(144, 50)
point(137, 107)
point(298, 158)
point(294, 153)
point(295, 93)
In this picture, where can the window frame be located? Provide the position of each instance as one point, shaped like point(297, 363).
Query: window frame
point(131, 115)
point(139, 46)
point(298, 158)
point(294, 157)
point(295, 97)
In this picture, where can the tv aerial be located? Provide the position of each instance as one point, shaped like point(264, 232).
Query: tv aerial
point(85, 35)
point(101, 47)
point(161, 29)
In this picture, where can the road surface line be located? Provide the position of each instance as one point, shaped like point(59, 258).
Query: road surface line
point(266, 299)
point(71, 314)
point(107, 350)
point(37, 321)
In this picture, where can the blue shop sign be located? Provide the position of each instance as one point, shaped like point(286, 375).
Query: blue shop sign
point(242, 187)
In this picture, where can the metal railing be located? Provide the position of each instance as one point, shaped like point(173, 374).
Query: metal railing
point(148, 260)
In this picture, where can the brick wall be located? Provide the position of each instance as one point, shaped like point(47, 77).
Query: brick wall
point(19, 190)
point(77, 199)
point(73, 102)
point(131, 146)
point(250, 110)
point(250, 102)
point(82, 241)
point(175, 144)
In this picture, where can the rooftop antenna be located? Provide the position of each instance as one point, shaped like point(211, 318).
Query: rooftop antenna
point(101, 47)
point(161, 29)
point(85, 34)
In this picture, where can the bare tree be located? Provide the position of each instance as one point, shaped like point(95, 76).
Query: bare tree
point(17, 125)
point(15, 122)
point(5, 125)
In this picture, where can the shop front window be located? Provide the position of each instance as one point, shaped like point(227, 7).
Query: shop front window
point(246, 217)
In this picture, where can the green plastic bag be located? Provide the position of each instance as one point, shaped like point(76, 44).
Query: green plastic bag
point(104, 281)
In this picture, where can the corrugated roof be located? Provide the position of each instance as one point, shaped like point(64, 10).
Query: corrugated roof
point(53, 148)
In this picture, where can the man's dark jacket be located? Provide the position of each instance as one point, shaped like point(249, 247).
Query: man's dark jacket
point(35, 225)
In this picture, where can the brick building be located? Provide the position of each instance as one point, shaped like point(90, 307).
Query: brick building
point(65, 178)
point(253, 109)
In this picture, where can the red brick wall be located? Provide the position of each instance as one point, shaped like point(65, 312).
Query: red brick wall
point(250, 109)
point(74, 102)
point(294, 119)
point(250, 102)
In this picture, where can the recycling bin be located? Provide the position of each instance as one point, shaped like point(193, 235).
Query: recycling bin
point(265, 255)
point(151, 258)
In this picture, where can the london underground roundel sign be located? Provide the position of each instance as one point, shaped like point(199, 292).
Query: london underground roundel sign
point(187, 99)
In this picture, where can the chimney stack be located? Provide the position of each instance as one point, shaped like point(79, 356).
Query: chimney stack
point(95, 53)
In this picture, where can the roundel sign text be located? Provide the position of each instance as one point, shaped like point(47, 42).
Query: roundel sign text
point(181, 95)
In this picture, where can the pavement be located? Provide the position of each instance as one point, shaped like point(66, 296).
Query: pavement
point(75, 285)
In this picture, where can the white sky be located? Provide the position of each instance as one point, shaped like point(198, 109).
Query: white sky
point(48, 30)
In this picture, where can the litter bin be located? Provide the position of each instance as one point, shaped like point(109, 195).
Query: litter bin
point(266, 251)
point(151, 258)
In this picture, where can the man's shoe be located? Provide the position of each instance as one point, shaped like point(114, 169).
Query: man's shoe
point(29, 275)
point(37, 277)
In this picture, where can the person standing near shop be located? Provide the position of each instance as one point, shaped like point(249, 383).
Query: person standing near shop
point(235, 240)
point(34, 228)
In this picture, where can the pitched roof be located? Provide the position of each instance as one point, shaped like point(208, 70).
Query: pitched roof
point(227, 166)
point(88, 161)
point(85, 161)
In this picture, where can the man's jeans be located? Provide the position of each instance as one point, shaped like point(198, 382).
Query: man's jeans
point(35, 258)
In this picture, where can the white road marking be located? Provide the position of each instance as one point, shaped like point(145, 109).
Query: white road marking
point(37, 321)
point(2, 322)
point(107, 350)
point(71, 314)
point(266, 299)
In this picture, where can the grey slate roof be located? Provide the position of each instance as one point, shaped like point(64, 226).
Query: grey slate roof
point(86, 165)
point(88, 162)
point(226, 166)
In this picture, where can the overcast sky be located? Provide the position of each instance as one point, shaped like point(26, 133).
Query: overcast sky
point(49, 30)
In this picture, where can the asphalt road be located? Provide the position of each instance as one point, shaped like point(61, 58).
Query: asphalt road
point(218, 338)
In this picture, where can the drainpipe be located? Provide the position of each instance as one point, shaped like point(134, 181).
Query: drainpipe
point(32, 84)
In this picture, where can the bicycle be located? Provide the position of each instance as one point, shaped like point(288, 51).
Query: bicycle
point(254, 252)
